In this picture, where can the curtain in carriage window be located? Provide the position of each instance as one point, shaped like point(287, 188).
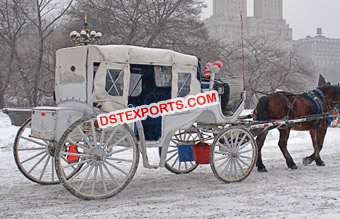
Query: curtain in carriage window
point(183, 84)
point(114, 82)
point(163, 76)
point(135, 88)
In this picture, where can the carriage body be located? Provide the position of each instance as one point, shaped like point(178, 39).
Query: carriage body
point(93, 79)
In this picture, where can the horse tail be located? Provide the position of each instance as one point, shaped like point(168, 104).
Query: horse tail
point(262, 109)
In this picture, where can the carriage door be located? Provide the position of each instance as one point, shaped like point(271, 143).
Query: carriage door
point(150, 84)
point(110, 88)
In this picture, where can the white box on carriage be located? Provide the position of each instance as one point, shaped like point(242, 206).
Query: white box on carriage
point(49, 123)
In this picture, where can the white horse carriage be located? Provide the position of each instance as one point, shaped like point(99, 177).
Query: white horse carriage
point(65, 144)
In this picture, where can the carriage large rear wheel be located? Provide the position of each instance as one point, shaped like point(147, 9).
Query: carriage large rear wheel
point(109, 157)
point(233, 154)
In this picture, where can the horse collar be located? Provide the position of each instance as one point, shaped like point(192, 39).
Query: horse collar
point(320, 93)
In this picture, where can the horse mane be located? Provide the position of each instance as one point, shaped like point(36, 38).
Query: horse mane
point(334, 89)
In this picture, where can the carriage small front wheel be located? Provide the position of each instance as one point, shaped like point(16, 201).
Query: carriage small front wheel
point(233, 154)
point(179, 139)
point(109, 157)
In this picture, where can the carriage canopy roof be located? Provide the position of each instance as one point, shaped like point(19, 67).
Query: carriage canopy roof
point(138, 55)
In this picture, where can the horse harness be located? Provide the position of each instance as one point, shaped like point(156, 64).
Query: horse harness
point(317, 98)
point(289, 105)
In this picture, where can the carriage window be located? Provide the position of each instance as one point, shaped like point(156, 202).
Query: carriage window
point(114, 82)
point(135, 85)
point(163, 76)
point(184, 81)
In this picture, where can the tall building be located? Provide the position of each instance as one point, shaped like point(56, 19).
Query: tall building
point(229, 8)
point(323, 53)
point(268, 9)
point(225, 23)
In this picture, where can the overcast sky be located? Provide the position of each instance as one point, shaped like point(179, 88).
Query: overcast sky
point(304, 16)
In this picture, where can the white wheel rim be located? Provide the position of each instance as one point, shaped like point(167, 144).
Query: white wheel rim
point(172, 160)
point(109, 159)
point(233, 155)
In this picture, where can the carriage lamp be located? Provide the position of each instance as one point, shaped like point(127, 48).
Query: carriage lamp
point(86, 36)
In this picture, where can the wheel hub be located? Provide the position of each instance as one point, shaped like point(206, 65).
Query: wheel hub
point(99, 156)
point(50, 149)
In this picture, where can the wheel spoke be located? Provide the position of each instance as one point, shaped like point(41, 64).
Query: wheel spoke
point(118, 151)
point(110, 174)
point(102, 138)
point(119, 159)
point(33, 157)
point(225, 147)
point(245, 157)
point(243, 162)
point(231, 168)
point(172, 156)
point(103, 177)
point(86, 177)
point(236, 138)
point(44, 169)
point(31, 149)
point(175, 162)
point(246, 151)
point(110, 137)
point(116, 143)
point(117, 168)
point(85, 138)
point(94, 178)
point(243, 146)
point(80, 171)
point(80, 146)
point(37, 163)
point(235, 168)
point(226, 141)
point(76, 154)
point(53, 168)
point(240, 166)
point(33, 141)
point(224, 172)
point(74, 164)
point(240, 143)
point(94, 134)
point(221, 158)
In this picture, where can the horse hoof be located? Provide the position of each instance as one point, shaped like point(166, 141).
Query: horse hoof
point(293, 167)
point(262, 170)
point(320, 164)
point(306, 161)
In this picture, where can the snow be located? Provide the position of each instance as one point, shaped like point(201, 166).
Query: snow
point(308, 192)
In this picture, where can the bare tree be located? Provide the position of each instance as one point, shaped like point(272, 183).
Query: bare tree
point(43, 16)
point(267, 67)
point(153, 23)
point(12, 23)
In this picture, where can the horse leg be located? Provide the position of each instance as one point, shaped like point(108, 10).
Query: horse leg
point(320, 139)
point(284, 135)
point(318, 136)
point(308, 160)
point(260, 141)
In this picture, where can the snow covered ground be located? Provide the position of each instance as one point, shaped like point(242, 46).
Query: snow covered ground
point(308, 192)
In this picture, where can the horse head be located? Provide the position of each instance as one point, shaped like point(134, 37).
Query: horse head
point(332, 94)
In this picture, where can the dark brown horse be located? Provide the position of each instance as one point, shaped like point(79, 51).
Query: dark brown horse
point(284, 105)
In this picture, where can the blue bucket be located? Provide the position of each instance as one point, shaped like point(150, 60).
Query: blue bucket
point(185, 153)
